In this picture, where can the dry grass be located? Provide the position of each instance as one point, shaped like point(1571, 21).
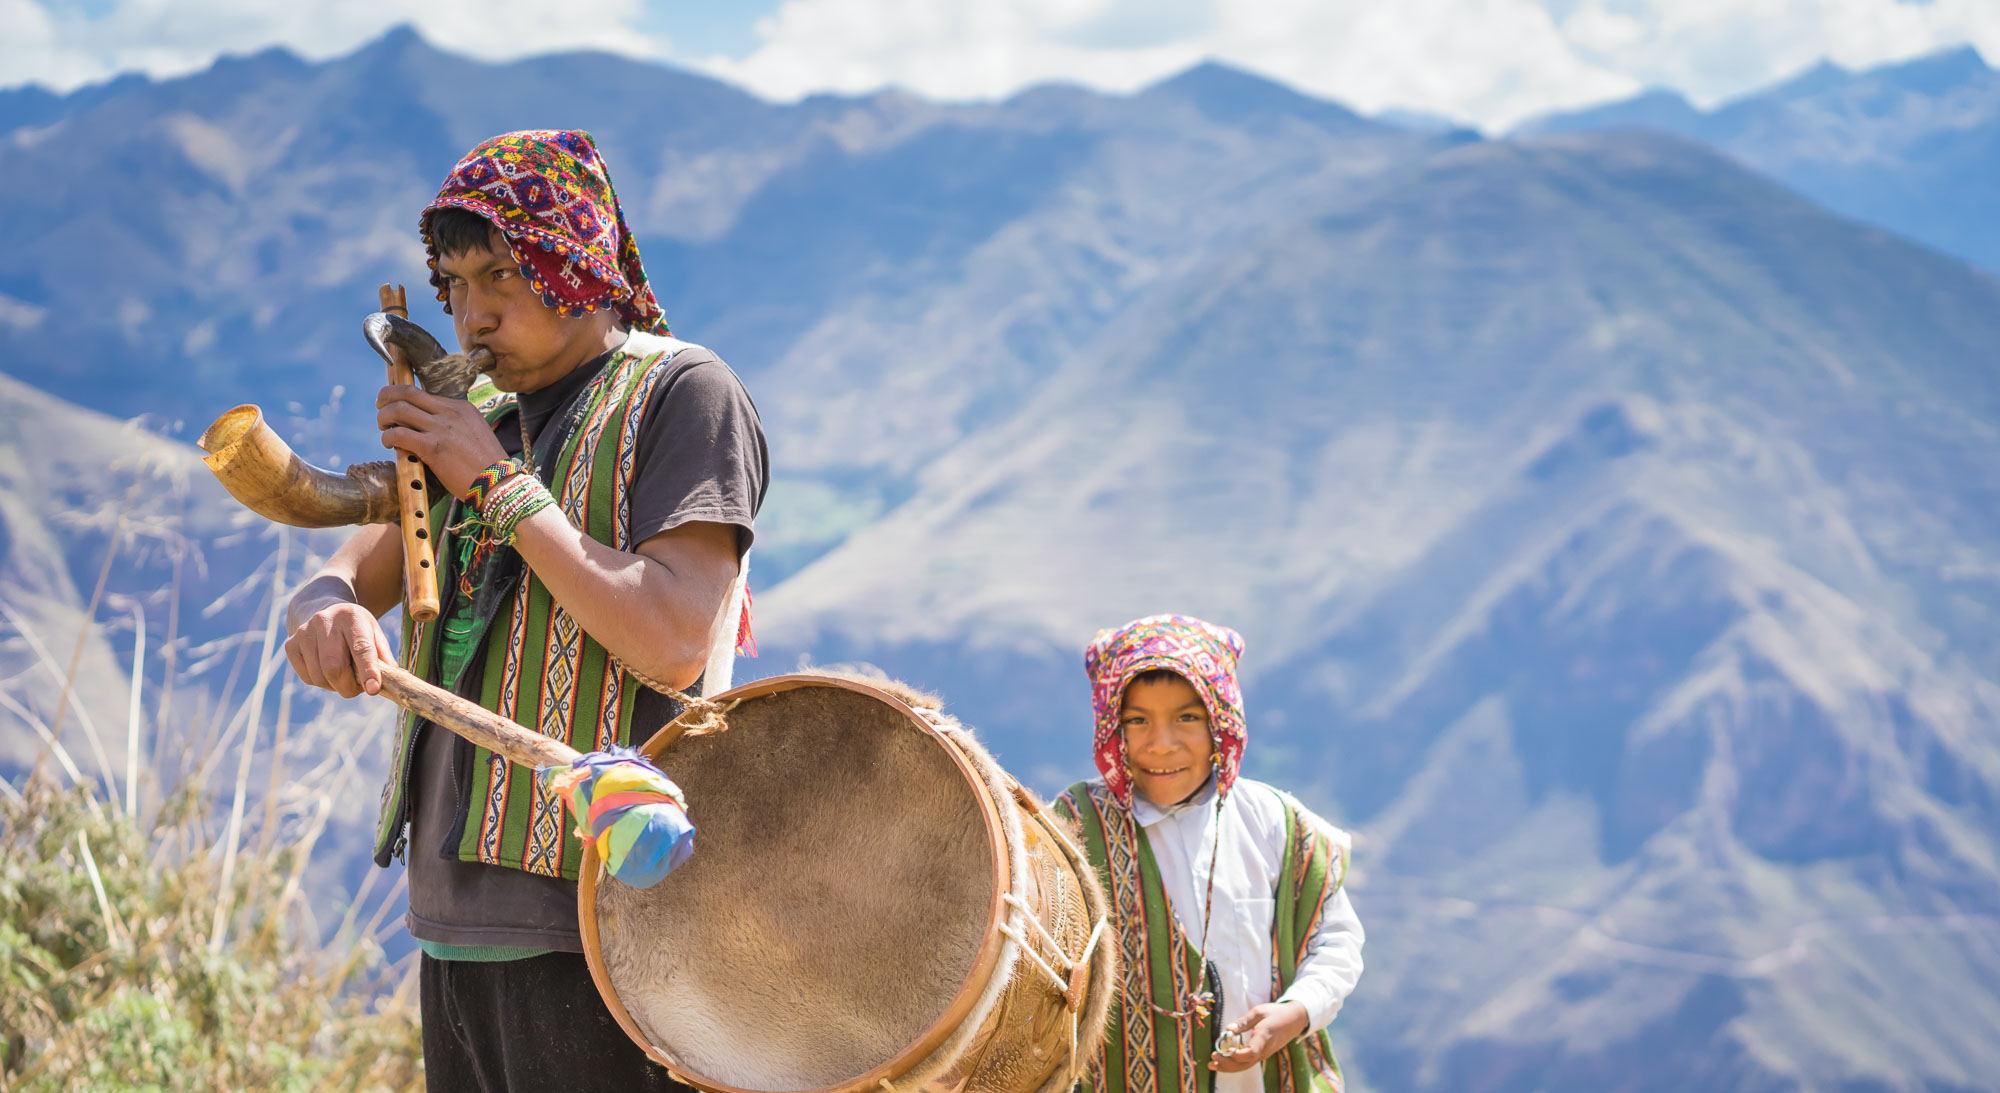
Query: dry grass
point(161, 934)
point(108, 982)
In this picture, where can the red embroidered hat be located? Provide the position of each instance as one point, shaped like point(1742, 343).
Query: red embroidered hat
point(549, 193)
point(1202, 653)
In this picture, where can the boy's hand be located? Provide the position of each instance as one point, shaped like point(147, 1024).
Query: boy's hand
point(450, 435)
point(340, 648)
point(1264, 1030)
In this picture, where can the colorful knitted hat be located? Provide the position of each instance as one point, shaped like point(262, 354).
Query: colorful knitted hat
point(549, 193)
point(1203, 654)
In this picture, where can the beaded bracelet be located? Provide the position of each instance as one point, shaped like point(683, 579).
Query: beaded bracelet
point(484, 482)
point(516, 498)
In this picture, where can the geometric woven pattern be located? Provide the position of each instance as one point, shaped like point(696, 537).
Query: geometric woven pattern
point(1159, 966)
point(1203, 654)
point(547, 674)
point(550, 194)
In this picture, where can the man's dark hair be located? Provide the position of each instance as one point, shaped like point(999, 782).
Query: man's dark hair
point(1157, 675)
point(454, 231)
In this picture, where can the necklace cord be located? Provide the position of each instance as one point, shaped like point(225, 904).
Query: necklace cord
point(1200, 1002)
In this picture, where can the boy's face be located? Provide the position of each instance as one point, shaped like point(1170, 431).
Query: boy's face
point(492, 305)
point(1167, 742)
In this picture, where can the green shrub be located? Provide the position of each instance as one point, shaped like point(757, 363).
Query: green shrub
point(125, 993)
point(158, 935)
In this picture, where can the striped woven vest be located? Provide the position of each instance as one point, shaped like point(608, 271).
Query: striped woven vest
point(541, 670)
point(1146, 1048)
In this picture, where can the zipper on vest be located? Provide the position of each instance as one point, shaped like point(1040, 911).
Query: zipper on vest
point(447, 574)
point(451, 768)
point(403, 795)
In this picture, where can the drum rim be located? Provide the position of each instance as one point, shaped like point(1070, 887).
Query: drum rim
point(983, 965)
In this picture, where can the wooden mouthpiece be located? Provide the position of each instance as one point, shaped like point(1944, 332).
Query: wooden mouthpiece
point(420, 586)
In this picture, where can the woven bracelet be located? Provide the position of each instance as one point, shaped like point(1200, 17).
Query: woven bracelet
point(484, 482)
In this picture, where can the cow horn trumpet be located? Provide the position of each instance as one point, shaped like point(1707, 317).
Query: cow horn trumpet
point(264, 473)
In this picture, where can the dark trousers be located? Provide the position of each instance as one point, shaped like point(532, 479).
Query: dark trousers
point(527, 1026)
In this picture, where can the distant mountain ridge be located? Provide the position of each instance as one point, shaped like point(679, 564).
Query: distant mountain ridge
point(1614, 532)
point(1913, 147)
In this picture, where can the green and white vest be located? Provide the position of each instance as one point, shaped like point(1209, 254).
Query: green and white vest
point(1148, 1048)
point(540, 669)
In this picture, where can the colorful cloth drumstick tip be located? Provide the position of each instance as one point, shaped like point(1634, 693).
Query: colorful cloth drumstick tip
point(629, 809)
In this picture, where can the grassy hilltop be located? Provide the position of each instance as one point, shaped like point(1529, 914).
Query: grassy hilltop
point(170, 925)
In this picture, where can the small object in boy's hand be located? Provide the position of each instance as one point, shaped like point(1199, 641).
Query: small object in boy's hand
point(1230, 1042)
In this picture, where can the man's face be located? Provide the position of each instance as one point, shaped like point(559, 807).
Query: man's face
point(1167, 742)
point(493, 305)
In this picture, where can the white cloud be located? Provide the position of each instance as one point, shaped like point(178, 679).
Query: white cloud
point(949, 50)
point(64, 48)
point(1490, 62)
point(1715, 49)
point(30, 35)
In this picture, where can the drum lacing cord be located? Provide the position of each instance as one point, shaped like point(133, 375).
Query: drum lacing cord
point(1062, 982)
point(709, 716)
point(701, 716)
point(1078, 859)
point(1076, 1011)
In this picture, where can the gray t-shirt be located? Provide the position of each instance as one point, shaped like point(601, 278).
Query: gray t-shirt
point(700, 457)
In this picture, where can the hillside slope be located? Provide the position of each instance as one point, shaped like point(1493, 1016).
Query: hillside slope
point(1614, 531)
point(1609, 529)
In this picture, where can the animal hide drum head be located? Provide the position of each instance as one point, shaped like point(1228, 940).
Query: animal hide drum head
point(835, 904)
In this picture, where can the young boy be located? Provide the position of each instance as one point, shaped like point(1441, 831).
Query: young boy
point(1238, 941)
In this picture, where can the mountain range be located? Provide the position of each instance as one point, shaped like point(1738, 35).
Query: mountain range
point(1913, 147)
point(1610, 515)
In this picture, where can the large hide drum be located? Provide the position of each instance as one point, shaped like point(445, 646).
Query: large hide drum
point(872, 904)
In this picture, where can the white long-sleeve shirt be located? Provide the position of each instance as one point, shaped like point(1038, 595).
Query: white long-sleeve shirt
point(1249, 852)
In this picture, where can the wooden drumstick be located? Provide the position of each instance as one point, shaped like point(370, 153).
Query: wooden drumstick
point(420, 595)
point(498, 735)
point(468, 719)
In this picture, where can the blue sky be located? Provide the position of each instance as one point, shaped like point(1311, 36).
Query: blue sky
point(1487, 62)
point(703, 29)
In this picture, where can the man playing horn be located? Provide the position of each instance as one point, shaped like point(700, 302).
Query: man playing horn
point(1238, 941)
point(603, 481)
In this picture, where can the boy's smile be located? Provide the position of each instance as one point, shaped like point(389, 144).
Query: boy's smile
point(1168, 748)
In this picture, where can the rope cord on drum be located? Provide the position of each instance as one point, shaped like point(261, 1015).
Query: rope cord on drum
point(1060, 980)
